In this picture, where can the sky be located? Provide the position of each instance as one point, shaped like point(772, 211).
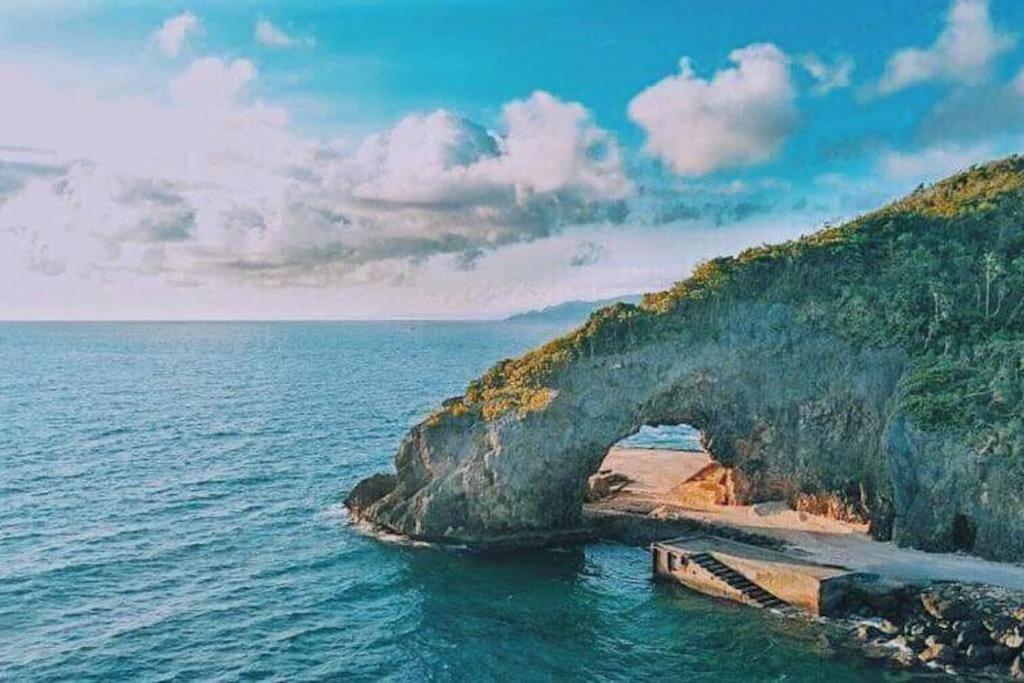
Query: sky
point(462, 158)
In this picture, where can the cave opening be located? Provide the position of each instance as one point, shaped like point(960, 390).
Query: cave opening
point(963, 533)
point(664, 464)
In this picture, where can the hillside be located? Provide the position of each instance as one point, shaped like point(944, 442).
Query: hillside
point(880, 361)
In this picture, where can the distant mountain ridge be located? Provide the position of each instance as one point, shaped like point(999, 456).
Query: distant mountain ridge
point(571, 312)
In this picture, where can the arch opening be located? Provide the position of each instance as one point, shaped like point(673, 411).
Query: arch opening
point(663, 464)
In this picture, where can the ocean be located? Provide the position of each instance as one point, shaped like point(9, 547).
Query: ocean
point(170, 509)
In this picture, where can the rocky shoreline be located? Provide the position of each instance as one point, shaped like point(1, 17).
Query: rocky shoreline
point(959, 629)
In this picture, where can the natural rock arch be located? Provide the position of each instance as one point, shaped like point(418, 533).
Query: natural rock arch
point(867, 357)
point(793, 409)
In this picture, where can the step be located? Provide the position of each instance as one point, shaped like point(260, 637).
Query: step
point(737, 581)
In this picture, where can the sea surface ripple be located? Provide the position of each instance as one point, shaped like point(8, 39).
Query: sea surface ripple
point(170, 509)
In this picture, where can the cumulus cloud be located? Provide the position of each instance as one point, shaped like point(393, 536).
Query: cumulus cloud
point(739, 117)
point(209, 182)
point(173, 33)
point(828, 76)
point(270, 35)
point(549, 147)
point(963, 52)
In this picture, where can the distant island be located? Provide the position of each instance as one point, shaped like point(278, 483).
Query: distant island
point(570, 312)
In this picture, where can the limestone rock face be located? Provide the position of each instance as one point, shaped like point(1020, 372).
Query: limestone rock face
point(792, 409)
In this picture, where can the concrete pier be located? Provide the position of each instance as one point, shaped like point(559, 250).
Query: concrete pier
point(750, 574)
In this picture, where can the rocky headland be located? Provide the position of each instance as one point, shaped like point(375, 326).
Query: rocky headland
point(871, 371)
point(877, 362)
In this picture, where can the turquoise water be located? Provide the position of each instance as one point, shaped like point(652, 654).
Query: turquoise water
point(170, 510)
point(666, 437)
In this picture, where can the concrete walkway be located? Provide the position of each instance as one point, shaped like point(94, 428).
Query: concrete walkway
point(818, 539)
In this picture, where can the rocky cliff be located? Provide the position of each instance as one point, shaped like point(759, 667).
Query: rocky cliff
point(879, 362)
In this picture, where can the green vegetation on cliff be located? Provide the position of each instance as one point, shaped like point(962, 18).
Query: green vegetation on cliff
point(939, 274)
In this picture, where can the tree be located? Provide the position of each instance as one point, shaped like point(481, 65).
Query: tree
point(991, 268)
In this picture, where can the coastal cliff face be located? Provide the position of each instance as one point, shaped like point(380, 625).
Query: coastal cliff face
point(879, 362)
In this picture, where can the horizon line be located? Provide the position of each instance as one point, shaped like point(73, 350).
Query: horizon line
point(256, 320)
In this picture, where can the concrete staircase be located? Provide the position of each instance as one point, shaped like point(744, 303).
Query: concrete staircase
point(751, 591)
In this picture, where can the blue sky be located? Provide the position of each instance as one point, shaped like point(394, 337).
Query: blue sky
point(462, 159)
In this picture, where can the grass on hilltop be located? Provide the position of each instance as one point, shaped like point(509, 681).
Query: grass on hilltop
point(939, 274)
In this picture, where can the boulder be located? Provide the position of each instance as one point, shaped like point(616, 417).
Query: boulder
point(978, 655)
point(915, 643)
point(1012, 638)
point(1017, 668)
point(1003, 654)
point(604, 484)
point(943, 608)
point(902, 653)
point(998, 623)
point(887, 627)
point(598, 488)
point(916, 628)
point(938, 653)
point(369, 491)
point(972, 633)
point(868, 633)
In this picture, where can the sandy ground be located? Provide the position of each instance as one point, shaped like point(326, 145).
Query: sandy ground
point(819, 539)
point(654, 471)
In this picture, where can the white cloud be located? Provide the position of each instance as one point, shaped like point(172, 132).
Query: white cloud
point(269, 34)
point(210, 184)
point(739, 117)
point(828, 77)
point(934, 163)
point(549, 147)
point(212, 82)
point(963, 52)
point(173, 33)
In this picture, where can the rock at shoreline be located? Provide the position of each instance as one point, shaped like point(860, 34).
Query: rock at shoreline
point(369, 491)
point(604, 484)
point(939, 653)
point(1017, 668)
point(942, 607)
point(973, 643)
point(1012, 638)
point(978, 656)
